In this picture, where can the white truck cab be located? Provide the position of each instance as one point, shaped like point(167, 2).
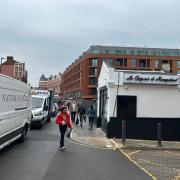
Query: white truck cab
point(15, 110)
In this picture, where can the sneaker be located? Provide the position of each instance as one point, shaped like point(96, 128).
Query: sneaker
point(62, 148)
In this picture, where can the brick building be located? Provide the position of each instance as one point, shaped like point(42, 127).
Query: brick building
point(53, 83)
point(80, 78)
point(43, 82)
point(14, 69)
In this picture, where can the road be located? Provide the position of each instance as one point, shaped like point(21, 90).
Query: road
point(40, 159)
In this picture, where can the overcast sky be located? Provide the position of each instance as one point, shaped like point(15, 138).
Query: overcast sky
point(49, 34)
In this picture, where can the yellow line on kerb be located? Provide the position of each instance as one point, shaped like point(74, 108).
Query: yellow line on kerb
point(135, 152)
point(176, 177)
point(139, 166)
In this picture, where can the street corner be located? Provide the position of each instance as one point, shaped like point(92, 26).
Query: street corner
point(99, 142)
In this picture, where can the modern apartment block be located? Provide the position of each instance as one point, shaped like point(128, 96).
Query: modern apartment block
point(79, 80)
point(14, 69)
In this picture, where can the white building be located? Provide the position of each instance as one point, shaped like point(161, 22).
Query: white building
point(137, 96)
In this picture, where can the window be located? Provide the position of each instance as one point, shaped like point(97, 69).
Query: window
point(121, 62)
point(92, 81)
point(157, 64)
point(106, 51)
point(133, 63)
point(124, 52)
point(92, 91)
point(140, 52)
point(132, 52)
point(110, 62)
point(118, 52)
point(93, 62)
point(154, 53)
point(144, 63)
point(178, 72)
point(104, 60)
point(146, 53)
point(178, 64)
point(93, 71)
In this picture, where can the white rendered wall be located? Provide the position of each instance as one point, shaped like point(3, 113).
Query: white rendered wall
point(152, 101)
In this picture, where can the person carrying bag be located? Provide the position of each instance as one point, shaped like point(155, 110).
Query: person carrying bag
point(64, 121)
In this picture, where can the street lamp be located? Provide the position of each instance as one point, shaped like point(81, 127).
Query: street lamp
point(1, 64)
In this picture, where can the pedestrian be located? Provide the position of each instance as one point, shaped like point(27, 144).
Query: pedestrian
point(82, 115)
point(73, 110)
point(64, 121)
point(91, 115)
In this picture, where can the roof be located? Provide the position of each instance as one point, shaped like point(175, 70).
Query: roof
point(10, 61)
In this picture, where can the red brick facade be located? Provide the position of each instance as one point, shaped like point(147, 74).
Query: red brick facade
point(80, 78)
point(14, 69)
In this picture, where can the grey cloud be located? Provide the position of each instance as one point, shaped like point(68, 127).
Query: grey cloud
point(50, 34)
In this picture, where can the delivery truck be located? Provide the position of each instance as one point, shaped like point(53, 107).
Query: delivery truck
point(42, 107)
point(15, 110)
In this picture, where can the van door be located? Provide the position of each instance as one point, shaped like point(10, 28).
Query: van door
point(45, 110)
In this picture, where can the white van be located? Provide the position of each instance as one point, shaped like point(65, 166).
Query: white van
point(39, 110)
point(15, 110)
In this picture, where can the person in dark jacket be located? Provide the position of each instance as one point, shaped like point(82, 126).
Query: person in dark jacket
point(64, 121)
point(82, 115)
point(91, 115)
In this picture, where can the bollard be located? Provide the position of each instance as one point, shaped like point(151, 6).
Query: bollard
point(159, 134)
point(123, 131)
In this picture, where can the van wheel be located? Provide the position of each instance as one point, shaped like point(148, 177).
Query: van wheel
point(23, 135)
point(41, 124)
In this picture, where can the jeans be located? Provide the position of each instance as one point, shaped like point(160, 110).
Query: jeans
point(73, 116)
point(62, 129)
point(82, 118)
point(91, 121)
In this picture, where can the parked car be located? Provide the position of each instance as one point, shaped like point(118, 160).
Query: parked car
point(15, 110)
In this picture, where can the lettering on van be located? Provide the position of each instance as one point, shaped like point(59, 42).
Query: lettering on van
point(15, 98)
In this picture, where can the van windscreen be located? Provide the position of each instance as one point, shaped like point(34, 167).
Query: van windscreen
point(37, 102)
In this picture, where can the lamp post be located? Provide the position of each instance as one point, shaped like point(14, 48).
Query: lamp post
point(1, 64)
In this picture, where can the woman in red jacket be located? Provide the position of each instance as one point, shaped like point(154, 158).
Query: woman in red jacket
point(64, 121)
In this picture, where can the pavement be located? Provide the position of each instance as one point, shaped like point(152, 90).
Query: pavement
point(146, 144)
point(95, 137)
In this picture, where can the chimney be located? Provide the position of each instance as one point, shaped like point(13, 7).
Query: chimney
point(9, 58)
